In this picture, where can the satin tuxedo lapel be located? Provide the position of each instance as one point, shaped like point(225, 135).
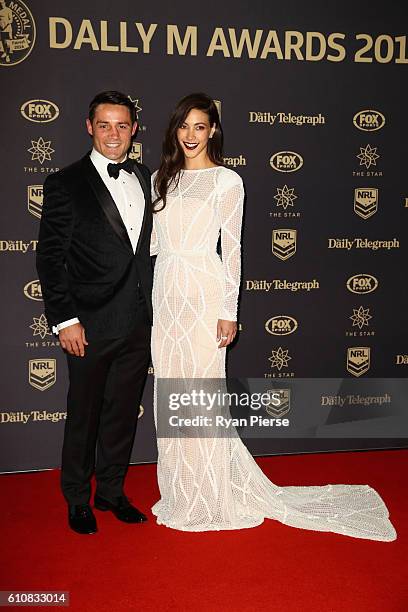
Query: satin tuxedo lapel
point(146, 192)
point(106, 201)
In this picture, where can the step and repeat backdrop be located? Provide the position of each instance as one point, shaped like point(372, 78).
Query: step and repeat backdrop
point(312, 101)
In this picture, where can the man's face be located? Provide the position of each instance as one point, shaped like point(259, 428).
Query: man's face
point(111, 130)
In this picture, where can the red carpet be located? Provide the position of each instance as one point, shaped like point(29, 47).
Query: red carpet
point(149, 567)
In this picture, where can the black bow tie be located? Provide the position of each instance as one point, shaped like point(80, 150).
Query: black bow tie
point(114, 169)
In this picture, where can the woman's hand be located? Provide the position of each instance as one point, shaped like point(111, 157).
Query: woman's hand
point(226, 332)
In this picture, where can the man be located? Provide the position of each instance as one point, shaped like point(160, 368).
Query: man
point(96, 276)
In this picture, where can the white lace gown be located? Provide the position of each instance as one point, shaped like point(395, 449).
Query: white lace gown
point(214, 483)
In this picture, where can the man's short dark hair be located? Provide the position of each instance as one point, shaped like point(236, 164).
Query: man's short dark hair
point(112, 97)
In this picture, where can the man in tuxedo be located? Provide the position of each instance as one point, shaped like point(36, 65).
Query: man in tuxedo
point(95, 270)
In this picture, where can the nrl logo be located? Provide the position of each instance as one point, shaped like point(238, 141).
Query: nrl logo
point(365, 201)
point(35, 200)
point(358, 360)
point(42, 373)
point(136, 152)
point(284, 403)
point(284, 243)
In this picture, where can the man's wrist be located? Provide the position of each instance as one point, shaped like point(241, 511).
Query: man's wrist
point(57, 328)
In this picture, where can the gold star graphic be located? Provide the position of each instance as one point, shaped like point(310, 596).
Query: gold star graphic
point(41, 150)
point(360, 317)
point(135, 103)
point(40, 327)
point(368, 156)
point(279, 358)
point(285, 196)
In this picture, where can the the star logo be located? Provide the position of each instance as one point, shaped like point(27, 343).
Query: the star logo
point(368, 156)
point(135, 103)
point(40, 327)
point(360, 317)
point(285, 196)
point(279, 358)
point(41, 150)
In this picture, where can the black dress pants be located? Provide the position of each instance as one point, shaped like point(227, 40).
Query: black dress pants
point(105, 389)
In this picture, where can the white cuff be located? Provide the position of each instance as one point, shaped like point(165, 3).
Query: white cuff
point(57, 328)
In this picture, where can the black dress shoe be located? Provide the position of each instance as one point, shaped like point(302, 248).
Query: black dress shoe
point(121, 508)
point(81, 519)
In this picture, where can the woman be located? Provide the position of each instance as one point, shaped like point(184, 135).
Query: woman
point(214, 483)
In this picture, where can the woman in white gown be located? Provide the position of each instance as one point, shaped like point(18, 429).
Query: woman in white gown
point(214, 483)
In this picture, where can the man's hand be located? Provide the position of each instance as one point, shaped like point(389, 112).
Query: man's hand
point(226, 332)
point(72, 339)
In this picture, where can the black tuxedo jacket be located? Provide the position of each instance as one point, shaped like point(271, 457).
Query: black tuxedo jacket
point(85, 261)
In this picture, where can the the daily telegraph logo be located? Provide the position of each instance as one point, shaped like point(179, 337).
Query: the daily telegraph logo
point(281, 284)
point(278, 409)
point(17, 32)
point(286, 161)
point(22, 418)
point(362, 243)
point(42, 373)
point(35, 200)
point(17, 246)
point(365, 201)
point(284, 243)
point(358, 360)
point(362, 283)
point(39, 111)
point(285, 118)
point(281, 325)
point(369, 120)
point(136, 152)
point(32, 291)
point(235, 161)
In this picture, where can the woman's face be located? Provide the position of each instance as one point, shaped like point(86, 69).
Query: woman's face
point(193, 135)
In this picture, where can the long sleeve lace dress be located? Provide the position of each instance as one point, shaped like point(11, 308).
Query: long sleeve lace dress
point(215, 483)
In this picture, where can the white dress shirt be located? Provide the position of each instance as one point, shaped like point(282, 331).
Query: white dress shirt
point(128, 196)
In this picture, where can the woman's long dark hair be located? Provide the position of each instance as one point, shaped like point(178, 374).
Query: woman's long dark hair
point(172, 159)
